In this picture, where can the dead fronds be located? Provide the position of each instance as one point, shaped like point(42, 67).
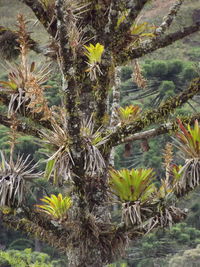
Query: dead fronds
point(138, 77)
point(25, 80)
point(94, 162)
point(13, 178)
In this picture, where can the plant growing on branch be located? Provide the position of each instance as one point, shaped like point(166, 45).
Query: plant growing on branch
point(94, 54)
point(56, 206)
point(79, 137)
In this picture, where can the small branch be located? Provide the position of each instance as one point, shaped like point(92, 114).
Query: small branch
point(36, 118)
point(114, 118)
point(150, 46)
point(22, 127)
point(42, 15)
point(167, 20)
point(9, 45)
point(154, 115)
point(135, 6)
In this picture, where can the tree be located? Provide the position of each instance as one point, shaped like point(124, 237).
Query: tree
point(89, 41)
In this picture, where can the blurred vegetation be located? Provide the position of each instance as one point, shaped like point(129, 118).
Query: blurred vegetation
point(27, 257)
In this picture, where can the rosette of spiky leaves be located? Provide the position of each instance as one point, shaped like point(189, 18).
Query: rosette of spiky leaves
point(132, 185)
point(13, 180)
point(25, 86)
point(129, 113)
point(135, 189)
point(75, 8)
point(188, 142)
point(190, 175)
point(59, 156)
point(94, 162)
point(164, 194)
point(56, 206)
point(94, 54)
point(141, 31)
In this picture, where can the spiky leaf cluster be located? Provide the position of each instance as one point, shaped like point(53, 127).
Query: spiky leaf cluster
point(132, 185)
point(129, 113)
point(56, 206)
point(188, 140)
point(94, 54)
point(13, 178)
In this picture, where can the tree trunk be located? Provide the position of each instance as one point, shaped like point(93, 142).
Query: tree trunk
point(91, 258)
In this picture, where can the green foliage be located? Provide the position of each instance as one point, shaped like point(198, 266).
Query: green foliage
point(193, 53)
point(156, 68)
point(189, 73)
point(25, 258)
point(154, 247)
point(132, 185)
point(166, 86)
point(189, 257)
point(129, 113)
point(94, 53)
point(126, 73)
point(175, 67)
point(57, 206)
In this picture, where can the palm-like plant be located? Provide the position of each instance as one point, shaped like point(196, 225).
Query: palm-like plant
point(134, 188)
point(13, 180)
point(56, 206)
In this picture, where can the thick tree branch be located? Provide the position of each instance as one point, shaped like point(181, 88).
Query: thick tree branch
point(162, 129)
point(36, 225)
point(167, 20)
point(36, 118)
point(9, 45)
point(121, 35)
point(150, 46)
point(42, 15)
point(154, 116)
point(135, 7)
point(22, 127)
